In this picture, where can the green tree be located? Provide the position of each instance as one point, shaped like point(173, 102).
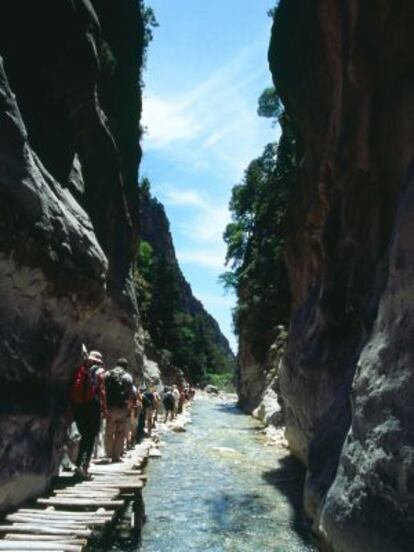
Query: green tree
point(150, 23)
point(270, 105)
point(176, 322)
point(256, 236)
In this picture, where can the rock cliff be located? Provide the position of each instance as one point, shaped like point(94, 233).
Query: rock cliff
point(345, 73)
point(69, 124)
point(177, 321)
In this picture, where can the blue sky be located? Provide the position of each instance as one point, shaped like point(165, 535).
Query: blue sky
point(206, 67)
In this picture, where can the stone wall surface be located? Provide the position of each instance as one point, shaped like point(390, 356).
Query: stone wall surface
point(69, 128)
point(345, 71)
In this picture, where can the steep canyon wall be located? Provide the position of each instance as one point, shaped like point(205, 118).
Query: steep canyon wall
point(69, 129)
point(177, 322)
point(345, 71)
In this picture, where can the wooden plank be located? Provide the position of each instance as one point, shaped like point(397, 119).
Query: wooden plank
point(101, 513)
point(56, 521)
point(96, 493)
point(100, 491)
point(53, 538)
point(40, 545)
point(16, 518)
point(116, 477)
point(122, 487)
point(80, 502)
point(116, 481)
point(115, 473)
point(43, 529)
point(155, 453)
point(25, 550)
point(83, 489)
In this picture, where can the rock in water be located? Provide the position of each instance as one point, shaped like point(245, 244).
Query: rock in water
point(344, 72)
point(212, 390)
point(178, 427)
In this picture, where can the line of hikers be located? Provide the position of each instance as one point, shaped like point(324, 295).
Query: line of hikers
point(130, 412)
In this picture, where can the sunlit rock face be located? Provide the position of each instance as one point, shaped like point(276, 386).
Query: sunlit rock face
point(345, 73)
point(69, 120)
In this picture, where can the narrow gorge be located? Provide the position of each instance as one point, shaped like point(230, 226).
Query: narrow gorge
point(318, 258)
point(69, 215)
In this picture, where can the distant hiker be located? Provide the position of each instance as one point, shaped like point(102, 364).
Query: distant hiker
point(156, 406)
point(169, 404)
point(181, 400)
point(176, 394)
point(148, 408)
point(133, 413)
point(141, 416)
point(88, 403)
point(119, 386)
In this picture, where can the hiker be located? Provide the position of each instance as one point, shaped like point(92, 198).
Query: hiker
point(118, 385)
point(145, 416)
point(169, 404)
point(88, 404)
point(148, 408)
point(176, 395)
point(133, 408)
point(181, 400)
point(141, 417)
point(156, 406)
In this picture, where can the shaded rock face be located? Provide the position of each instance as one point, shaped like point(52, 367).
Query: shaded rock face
point(257, 373)
point(68, 159)
point(270, 408)
point(253, 364)
point(345, 73)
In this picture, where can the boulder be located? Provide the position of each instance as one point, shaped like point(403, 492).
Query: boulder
point(269, 410)
point(212, 390)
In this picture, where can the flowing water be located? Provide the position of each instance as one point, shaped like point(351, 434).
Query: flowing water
point(217, 488)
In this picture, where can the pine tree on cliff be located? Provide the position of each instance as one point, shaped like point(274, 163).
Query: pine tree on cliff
point(256, 236)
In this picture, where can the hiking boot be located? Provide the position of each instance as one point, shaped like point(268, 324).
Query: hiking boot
point(81, 474)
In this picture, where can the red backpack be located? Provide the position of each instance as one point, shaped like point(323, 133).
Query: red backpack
point(85, 385)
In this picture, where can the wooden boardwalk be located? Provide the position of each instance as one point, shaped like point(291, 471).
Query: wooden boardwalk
point(75, 513)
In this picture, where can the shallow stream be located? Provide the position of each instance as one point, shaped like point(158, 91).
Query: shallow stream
point(217, 488)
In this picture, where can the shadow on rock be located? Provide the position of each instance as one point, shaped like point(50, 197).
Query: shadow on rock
point(289, 479)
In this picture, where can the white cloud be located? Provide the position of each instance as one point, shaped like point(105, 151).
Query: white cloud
point(166, 123)
point(210, 130)
point(207, 219)
point(214, 125)
point(206, 258)
point(185, 198)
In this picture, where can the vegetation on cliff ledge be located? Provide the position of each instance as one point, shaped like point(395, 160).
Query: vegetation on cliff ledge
point(256, 236)
point(176, 321)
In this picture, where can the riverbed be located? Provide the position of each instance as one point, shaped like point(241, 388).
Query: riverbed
point(218, 488)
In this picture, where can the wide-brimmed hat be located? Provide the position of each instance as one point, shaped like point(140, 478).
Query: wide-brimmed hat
point(95, 356)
